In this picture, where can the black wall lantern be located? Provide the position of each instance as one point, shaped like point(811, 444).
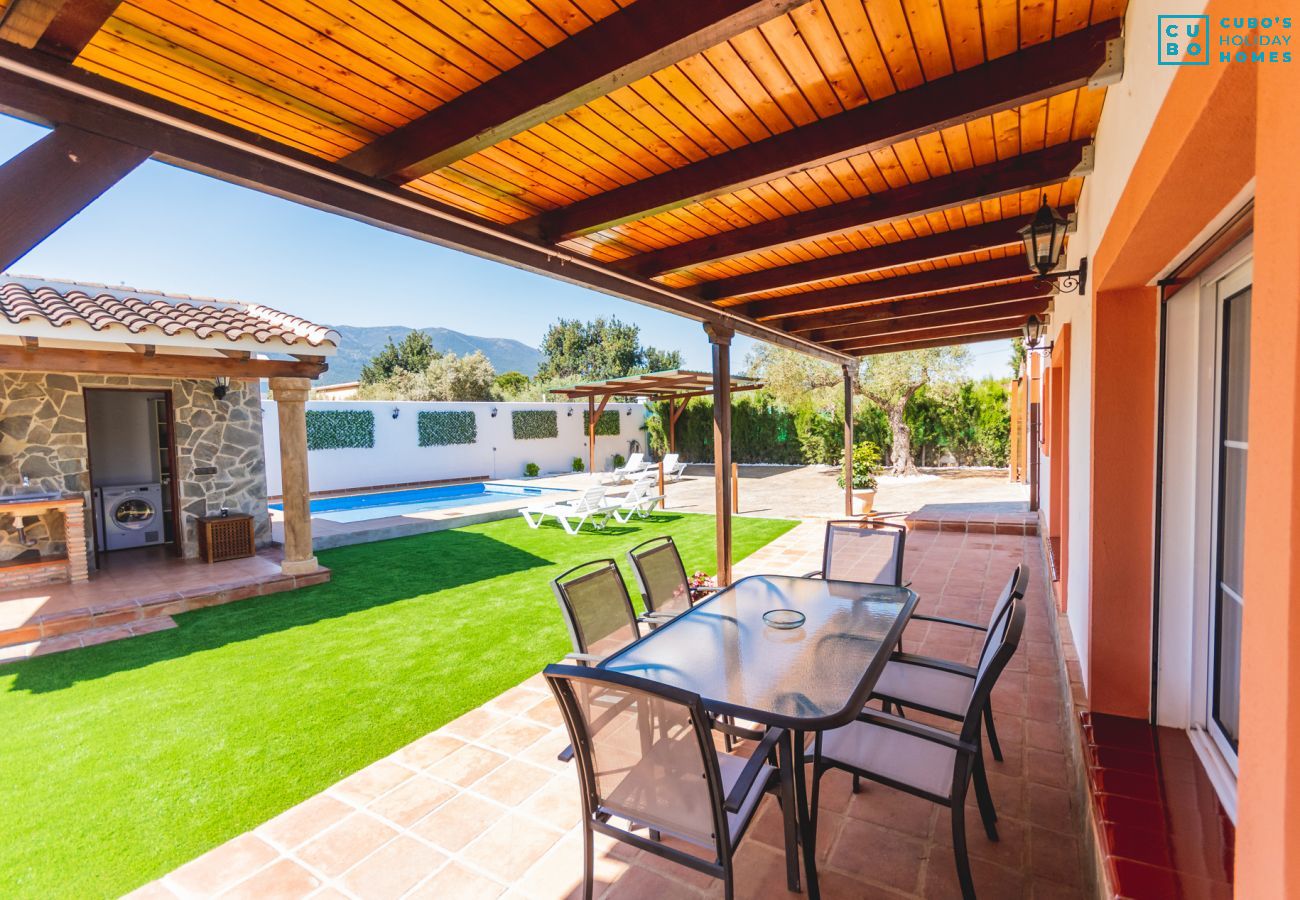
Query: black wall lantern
point(1033, 330)
point(1044, 239)
point(220, 387)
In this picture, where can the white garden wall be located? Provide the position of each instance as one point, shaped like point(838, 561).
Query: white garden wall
point(397, 457)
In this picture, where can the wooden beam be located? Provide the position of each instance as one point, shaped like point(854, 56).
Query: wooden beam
point(720, 345)
point(30, 344)
point(62, 28)
point(144, 349)
point(1029, 171)
point(821, 326)
point(855, 262)
point(1005, 83)
point(854, 335)
point(939, 337)
point(941, 342)
point(54, 179)
point(107, 362)
point(236, 354)
point(39, 88)
point(884, 288)
point(629, 44)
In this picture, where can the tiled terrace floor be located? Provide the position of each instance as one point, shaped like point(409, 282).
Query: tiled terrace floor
point(481, 808)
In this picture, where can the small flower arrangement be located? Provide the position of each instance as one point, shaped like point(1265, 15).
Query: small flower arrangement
point(703, 579)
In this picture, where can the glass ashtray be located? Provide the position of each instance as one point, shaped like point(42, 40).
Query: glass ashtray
point(784, 618)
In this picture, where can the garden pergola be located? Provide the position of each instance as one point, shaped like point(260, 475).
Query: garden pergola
point(677, 386)
point(830, 177)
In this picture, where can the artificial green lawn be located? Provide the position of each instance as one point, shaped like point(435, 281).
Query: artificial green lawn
point(122, 761)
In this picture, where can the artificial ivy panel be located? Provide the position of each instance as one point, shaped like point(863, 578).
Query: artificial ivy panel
point(534, 424)
point(606, 423)
point(438, 429)
point(329, 429)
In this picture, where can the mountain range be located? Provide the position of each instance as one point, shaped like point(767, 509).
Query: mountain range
point(360, 343)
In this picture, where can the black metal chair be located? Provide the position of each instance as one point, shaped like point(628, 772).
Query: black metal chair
point(866, 552)
point(939, 686)
point(597, 610)
point(646, 756)
point(661, 576)
point(925, 761)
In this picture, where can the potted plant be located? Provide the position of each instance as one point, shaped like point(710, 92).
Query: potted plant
point(531, 470)
point(618, 461)
point(866, 465)
point(578, 464)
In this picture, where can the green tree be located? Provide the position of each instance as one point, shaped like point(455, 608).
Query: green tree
point(511, 384)
point(413, 354)
point(599, 349)
point(890, 380)
point(1017, 356)
point(448, 377)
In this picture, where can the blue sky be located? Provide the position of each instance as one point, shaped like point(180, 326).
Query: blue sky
point(167, 229)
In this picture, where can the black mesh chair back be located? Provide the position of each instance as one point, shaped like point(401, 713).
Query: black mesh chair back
point(661, 576)
point(646, 757)
point(596, 608)
point(866, 552)
point(1000, 645)
point(645, 753)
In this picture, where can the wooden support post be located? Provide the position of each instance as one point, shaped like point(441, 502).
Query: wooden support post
point(720, 339)
point(672, 424)
point(54, 179)
point(591, 435)
point(848, 440)
point(735, 487)
point(662, 493)
point(290, 401)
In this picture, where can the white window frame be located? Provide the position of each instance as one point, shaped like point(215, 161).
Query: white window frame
point(1190, 510)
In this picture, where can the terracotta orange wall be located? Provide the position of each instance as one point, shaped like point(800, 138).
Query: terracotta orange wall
point(1198, 156)
point(1063, 455)
point(1124, 342)
point(1268, 820)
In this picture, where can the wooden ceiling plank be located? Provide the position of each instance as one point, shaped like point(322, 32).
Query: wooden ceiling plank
point(1003, 334)
point(899, 253)
point(1027, 172)
point(636, 41)
point(820, 327)
point(899, 286)
point(853, 336)
point(1033, 74)
point(54, 179)
point(932, 334)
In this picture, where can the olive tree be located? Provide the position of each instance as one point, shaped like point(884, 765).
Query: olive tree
point(890, 380)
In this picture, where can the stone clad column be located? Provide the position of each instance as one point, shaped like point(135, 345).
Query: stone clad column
point(290, 399)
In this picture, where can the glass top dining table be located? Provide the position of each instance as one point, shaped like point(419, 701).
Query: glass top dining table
point(809, 678)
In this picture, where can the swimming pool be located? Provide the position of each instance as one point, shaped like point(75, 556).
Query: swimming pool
point(359, 507)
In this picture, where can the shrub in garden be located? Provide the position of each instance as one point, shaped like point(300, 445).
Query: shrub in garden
point(578, 464)
point(531, 470)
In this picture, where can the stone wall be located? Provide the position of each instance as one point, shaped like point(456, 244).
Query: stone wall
point(43, 436)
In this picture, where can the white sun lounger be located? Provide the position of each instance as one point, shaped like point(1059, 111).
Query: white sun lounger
point(672, 468)
point(639, 500)
point(636, 464)
point(591, 505)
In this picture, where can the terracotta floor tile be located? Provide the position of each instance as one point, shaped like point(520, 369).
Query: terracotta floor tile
point(428, 750)
point(458, 821)
point(338, 849)
point(509, 847)
point(223, 867)
point(558, 803)
point(475, 723)
point(643, 884)
point(457, 882)
point(558, 874)
point(393, 869)
point(467, 765)
point(879, 855)
point(375, 779)
point(513, 782)
point(304, 821)
point(514, 736)
point(285, 879)
point(412, 800)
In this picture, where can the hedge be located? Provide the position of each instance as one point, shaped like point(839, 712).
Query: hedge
point(606, 424)
point(534, 424)
point(340, 429)
point(438, 429)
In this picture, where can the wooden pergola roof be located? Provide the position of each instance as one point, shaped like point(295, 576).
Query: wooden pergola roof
point(670, 384)
point(838, 176)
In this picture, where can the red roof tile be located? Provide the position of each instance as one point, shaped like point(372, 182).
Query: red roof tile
point(102, 308)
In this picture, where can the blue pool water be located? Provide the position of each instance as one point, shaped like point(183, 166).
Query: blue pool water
point(358, 507)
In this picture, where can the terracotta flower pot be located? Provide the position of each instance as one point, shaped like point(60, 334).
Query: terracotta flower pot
point(863, 501)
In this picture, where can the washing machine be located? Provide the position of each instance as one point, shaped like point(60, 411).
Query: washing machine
point(131, 515)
